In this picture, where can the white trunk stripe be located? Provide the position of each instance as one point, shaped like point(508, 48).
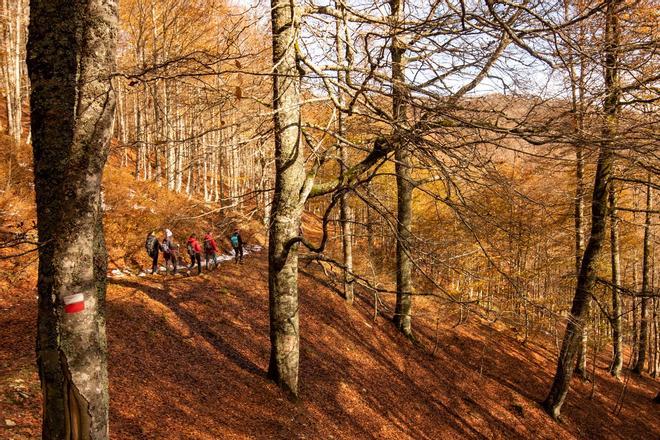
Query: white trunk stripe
point(75, 298)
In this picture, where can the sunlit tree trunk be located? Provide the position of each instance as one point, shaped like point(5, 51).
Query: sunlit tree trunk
point(287, 205)
point(344, 206)
point(14, 42)
point(72, 112)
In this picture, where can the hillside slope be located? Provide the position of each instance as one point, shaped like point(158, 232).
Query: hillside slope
point(188, 355)
point(188, 358)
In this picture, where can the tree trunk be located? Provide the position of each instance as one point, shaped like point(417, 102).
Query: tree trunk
point(581, 365)
point(72, 112)
point(656, 343)
point(344, 207)
point(287, 204)
point(13, 79)
point(646, 284)
point(402, 316)
point(617, 335)
point(635, 323)
point(587, 276)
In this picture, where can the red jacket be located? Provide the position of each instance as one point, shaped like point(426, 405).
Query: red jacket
point(211, 241)
point(195, 245)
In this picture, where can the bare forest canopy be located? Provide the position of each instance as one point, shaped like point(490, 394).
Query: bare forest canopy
point(485, 158)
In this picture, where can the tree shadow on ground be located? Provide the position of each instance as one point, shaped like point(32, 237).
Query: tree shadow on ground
point(165, 297)
point(513, 381)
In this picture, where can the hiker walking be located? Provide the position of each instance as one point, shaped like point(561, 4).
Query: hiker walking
point(237, 244)
point(195, 251)
point(152, 245)
point(170, 252)
point(210, 250)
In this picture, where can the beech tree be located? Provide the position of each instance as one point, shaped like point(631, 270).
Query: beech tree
point(615, 260)
point(345, 216)
point(403, 164)
point(586, 280)
point(12, 66)
point(288, 199)
point(71, 56)
point(646, 284)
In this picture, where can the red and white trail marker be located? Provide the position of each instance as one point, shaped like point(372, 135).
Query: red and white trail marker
point(74, 303)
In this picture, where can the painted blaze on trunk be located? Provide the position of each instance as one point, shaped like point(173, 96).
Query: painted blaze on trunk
point(71, 53)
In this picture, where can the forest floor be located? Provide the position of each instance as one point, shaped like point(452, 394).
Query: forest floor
point(188, 355)
point(188, 359)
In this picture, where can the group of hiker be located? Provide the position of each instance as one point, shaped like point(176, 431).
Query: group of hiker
point(170, 250)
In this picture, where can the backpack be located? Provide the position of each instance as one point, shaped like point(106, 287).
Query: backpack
point(166, 247)
point(234, 240)
point(191, 250)
point(150, 244)
point(207, 246)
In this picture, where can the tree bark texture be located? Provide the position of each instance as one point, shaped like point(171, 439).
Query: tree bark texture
point(13, 33)
point(617, 334)
point(345, 219)
point(288, 201)
point(402, 311)
point(646, 287)
point(587, 276)
point(71, 54)
point(581, 366)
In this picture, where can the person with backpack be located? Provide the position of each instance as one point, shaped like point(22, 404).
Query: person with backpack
point(170, 252)
point(237, 244)
point(195, 252)
point(210, 250)
point(152, 245)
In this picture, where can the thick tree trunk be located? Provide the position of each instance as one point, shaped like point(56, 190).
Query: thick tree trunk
point(617, 335)
point(646, 284)
point(578, 108)
point(72, 112)
point(587, 276)
point(402, 311)
point(585, 284)
point(287, 204)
